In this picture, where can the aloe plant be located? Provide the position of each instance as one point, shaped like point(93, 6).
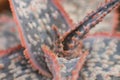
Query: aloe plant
point(55, 47)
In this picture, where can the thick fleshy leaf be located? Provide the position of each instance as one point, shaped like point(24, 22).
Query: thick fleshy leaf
point(35, 19)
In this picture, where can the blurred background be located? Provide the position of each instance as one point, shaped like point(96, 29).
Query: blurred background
point(4, 6)
point(77, 10)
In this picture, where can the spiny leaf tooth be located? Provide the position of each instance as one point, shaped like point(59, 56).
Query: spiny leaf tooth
point(26, 54)
point(81, 22)
point(78, 33)
point(71, 45)
point(100, 19)
point(55, 29)
point(74, 38)
point(86, 28)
